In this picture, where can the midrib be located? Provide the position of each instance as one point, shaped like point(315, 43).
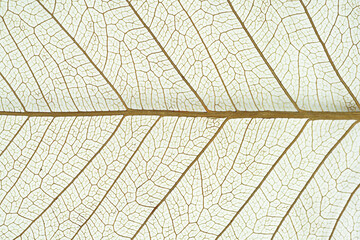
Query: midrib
point(313, 115)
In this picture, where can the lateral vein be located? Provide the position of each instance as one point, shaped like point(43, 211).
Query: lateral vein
point(85, 54)
point(73, 179)
point(329, 57)
point(263, 57)
point(167, 56)
point(180, 178)
point(312, 177)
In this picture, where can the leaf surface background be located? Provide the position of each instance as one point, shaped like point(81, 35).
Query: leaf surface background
point(179, 119)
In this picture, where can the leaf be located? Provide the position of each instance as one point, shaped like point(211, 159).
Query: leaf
point(179, 119)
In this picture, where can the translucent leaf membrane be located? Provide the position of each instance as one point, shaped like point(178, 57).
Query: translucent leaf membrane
point(49, 72)
point(288, 39)
point(347, 224)
point(179, 119)
point(177, 177)
point(180, 55)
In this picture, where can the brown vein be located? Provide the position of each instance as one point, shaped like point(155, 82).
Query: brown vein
point(37, 147)
point(86, 55)
point(180, 178)
point(211, 114)
point(73, 180)
point(263, 57)
point(15, 94)
point(208, 52)
point(26, 62)
point(343, 210)
point(329, 57)
point(168, 57)
point(118, 176)
point(312, 176)
point(15, 135)
point(264, 178)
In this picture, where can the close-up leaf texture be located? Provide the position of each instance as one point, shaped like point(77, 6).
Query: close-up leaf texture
point(179, 119)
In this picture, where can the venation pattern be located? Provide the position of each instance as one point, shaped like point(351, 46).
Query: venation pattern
point(179, 119)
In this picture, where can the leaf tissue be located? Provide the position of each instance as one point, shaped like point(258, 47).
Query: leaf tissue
point(174, 119)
